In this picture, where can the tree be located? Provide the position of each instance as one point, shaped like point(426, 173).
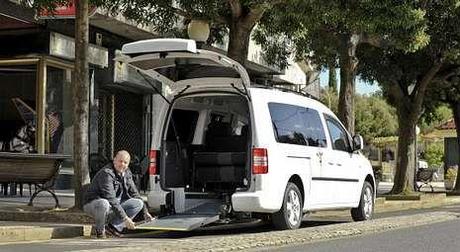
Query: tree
point(434, 116)
point(329, 97)
point(375, 117)
point(80, 83)
point(405, 77)
point(80, 91)
point(332, 83)
point(325, 31)
point(235, 17)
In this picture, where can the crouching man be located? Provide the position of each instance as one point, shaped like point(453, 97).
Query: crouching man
point(112, 198)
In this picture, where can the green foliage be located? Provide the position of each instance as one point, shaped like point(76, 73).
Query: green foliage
point(432, 118)
point(375, 117)
point(315, 27)
point(434, 154)
point(170, 18)
point(330, 98)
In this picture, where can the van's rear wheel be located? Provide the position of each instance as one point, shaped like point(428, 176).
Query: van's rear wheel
point(290, 214)
point(365, 209)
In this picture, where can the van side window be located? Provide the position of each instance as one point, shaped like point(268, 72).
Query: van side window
point(338, 134)
point(297, 125)
point(185, 124)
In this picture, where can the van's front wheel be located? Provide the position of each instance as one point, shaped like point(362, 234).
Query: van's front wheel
point(365, 209)
point(290, 214)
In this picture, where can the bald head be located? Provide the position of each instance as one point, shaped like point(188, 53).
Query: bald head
point(121, 161)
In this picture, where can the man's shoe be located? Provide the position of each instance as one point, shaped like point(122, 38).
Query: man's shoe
point(111, 231)
point(96, 234)
point(101, 235)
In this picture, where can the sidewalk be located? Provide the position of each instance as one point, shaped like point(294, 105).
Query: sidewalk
point(20, 222)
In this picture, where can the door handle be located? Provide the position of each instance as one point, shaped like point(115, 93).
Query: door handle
point(320, 157)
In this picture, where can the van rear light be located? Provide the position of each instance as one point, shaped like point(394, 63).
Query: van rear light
point(153, 157)
point(259, 161)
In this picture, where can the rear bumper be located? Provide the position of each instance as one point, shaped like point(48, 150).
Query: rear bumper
point(253, 202)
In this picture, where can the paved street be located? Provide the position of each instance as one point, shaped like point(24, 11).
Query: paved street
point(436, 237)
point(314, 231)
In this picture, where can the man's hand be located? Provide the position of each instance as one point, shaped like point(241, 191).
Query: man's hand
point(129, 223)
point(148, 217)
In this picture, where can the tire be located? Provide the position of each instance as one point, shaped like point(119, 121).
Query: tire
point(365, 209)
point(290, 214)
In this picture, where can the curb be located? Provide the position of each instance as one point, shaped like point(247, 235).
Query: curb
point(41, 233)
point(46, 216)
point(36, 226)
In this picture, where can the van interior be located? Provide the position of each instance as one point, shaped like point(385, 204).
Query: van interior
point(206, 145)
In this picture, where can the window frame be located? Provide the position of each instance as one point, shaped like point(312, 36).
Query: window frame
point(310, 110)
point(334, 121)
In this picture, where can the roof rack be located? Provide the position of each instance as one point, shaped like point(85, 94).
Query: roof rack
point(286, 90)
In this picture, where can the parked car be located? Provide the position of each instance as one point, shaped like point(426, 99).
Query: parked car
point(223, 149)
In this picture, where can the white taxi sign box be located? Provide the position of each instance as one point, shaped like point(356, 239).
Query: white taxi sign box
point(160, 45)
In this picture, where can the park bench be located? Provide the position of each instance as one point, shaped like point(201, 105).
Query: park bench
point(40, 170)
point(425, 177)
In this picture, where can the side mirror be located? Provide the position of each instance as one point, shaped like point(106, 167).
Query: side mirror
point(358, 143)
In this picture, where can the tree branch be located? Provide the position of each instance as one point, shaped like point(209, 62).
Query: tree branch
point(235, 8)
point(257, 11)
point(373, 40)
point(188, 15)
point(447, 72)
point(424, 82)
point(254, 15)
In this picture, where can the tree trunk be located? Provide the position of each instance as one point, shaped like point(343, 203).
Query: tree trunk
point(332, 77)
point(238, 41)
point(348, 63)
point(405, 165)
point(81, 102)
point(409, 108)
point(456, 109)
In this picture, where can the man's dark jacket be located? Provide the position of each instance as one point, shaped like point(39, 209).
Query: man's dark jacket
point(106, 184)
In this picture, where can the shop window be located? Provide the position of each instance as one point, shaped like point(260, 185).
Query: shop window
point(17, 108)
point(59, 122)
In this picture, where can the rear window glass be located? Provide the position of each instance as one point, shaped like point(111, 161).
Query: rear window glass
point(184, 122)
point(297, 125)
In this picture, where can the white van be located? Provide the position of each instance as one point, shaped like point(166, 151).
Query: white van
point(224, 150)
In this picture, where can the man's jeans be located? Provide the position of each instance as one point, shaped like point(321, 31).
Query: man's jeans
point(101, 211)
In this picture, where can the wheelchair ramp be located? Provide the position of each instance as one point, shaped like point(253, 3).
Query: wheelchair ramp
point(180, 222)
point(198, 213)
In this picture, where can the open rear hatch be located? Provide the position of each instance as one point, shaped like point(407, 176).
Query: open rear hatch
point(180, 67)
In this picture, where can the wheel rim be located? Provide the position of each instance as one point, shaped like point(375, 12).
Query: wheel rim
point(368, 202)
point(293, 208)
